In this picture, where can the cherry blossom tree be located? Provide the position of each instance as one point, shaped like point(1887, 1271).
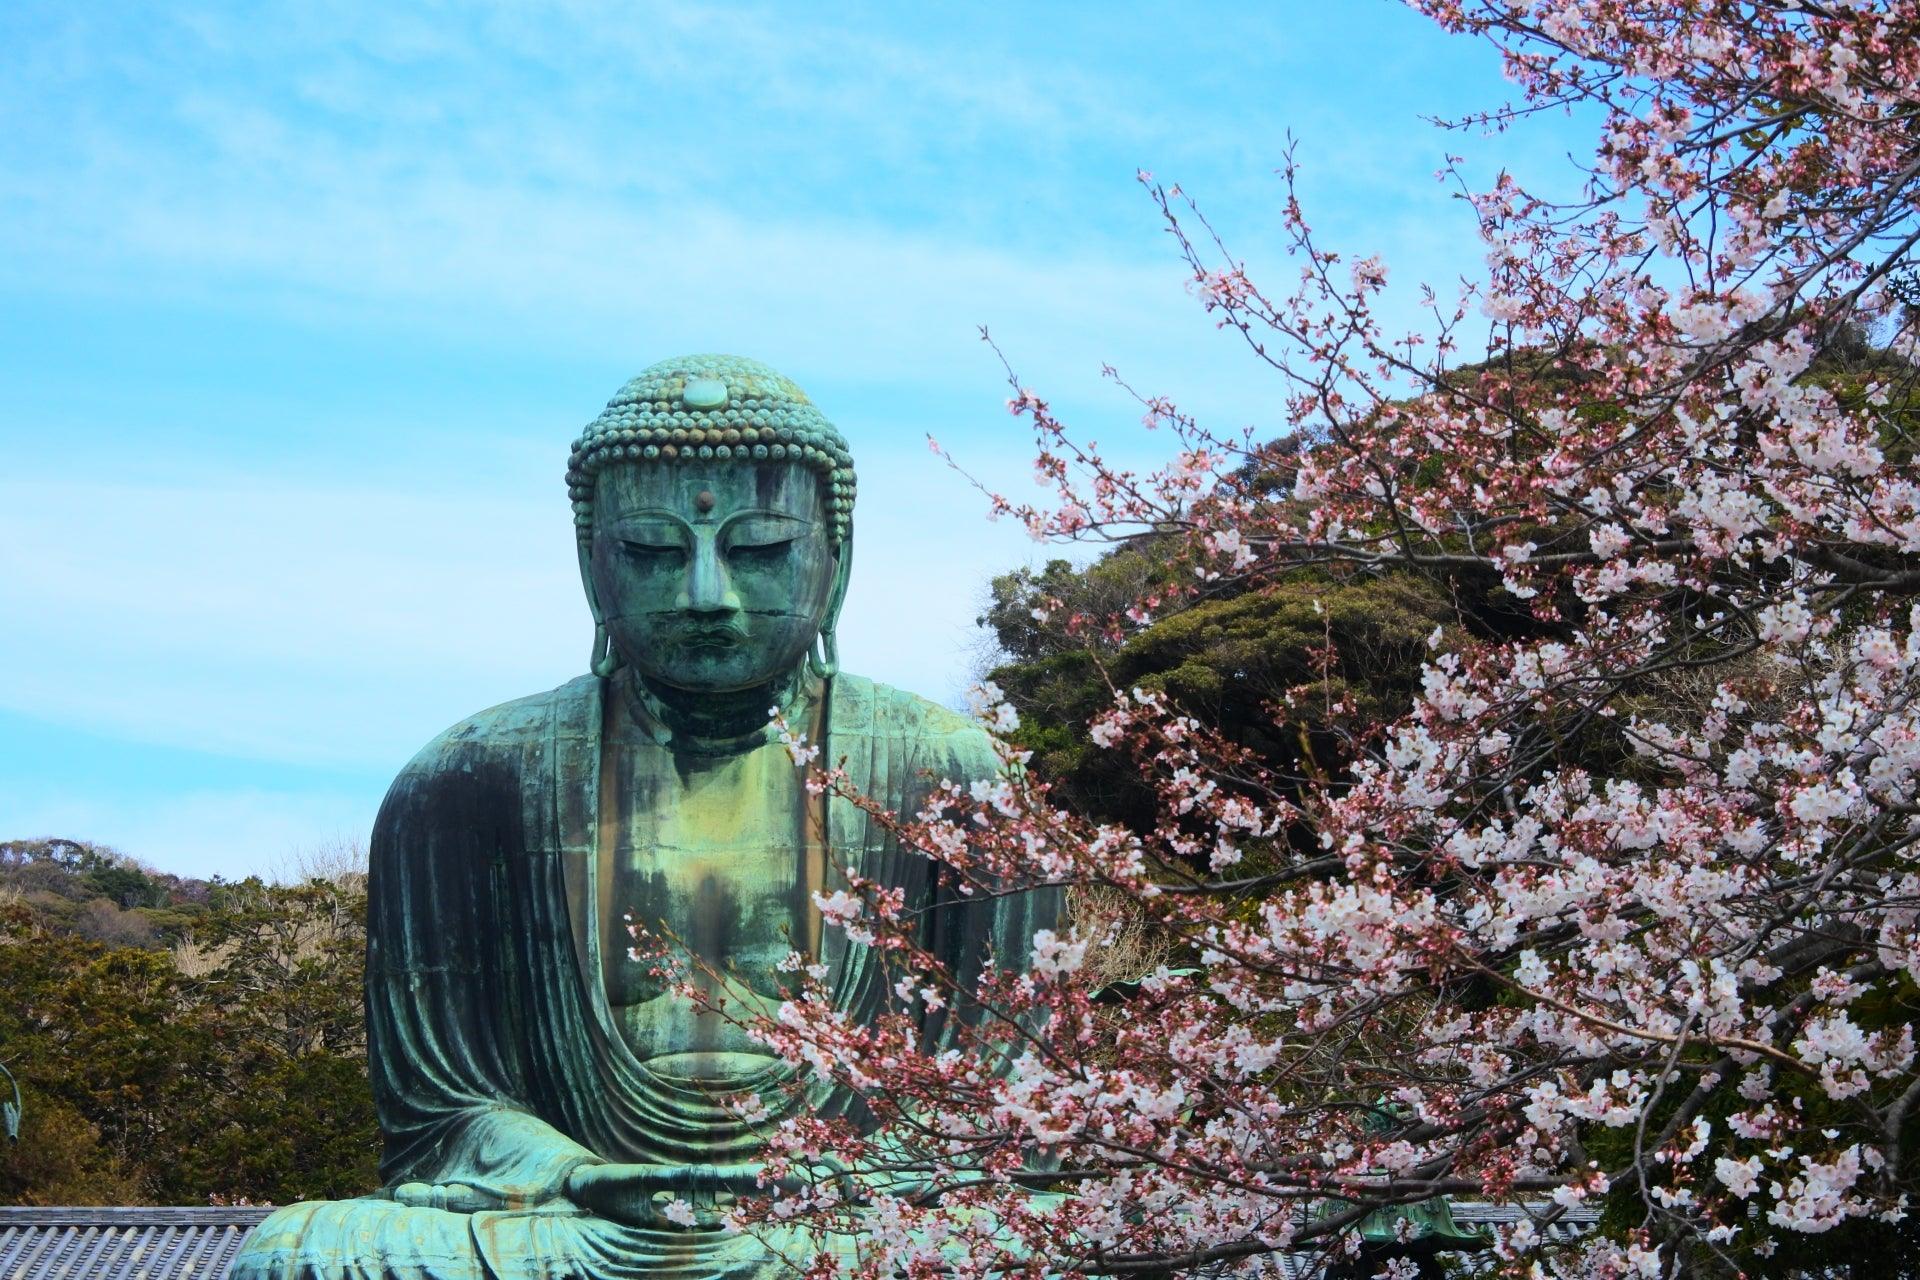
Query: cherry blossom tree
point(1624, 910)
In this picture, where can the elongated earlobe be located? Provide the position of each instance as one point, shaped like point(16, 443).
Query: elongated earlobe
point(823, 659)
point(606, 659)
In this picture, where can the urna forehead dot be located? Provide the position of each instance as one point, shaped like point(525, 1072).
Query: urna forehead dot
point(703, 501)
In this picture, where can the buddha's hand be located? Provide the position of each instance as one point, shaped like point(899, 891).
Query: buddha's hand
point(455, 1197)
point(666, 1196)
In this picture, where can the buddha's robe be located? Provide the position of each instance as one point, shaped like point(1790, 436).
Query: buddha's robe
point(499, 1063)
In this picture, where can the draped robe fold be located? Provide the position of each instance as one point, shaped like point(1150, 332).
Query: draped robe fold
point(496, 1062)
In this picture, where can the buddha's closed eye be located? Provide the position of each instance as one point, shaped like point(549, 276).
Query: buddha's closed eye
point(653, 554)
point(760, 554)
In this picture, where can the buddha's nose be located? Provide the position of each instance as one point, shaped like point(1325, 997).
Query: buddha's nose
point(709, 587)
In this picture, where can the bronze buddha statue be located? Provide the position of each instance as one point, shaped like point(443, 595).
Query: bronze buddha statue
point(542, 1091)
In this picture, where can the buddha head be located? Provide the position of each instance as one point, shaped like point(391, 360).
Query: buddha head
point(714, 509)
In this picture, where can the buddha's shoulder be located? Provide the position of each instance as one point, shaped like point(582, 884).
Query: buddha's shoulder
point(863, 706)
point(503, 732)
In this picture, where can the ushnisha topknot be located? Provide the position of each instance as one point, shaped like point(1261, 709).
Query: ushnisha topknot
point(712, 406)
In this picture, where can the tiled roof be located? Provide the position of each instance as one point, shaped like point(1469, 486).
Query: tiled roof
point(199, 1243)
point(1570, 1225)
point(122, 1243)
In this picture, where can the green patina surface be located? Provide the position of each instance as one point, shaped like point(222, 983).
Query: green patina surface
point(542, 1093)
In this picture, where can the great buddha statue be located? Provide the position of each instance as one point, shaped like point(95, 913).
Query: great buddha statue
point(551, 1107)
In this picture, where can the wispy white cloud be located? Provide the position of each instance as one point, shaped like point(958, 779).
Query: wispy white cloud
point(273, 621)
point(832, 194)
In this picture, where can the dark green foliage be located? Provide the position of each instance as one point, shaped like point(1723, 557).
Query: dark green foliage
point(303, 1129)
point(1289, 670)
point(98, 1037)
point(60, 1160)
point(230, 1064)
point(1062, 592)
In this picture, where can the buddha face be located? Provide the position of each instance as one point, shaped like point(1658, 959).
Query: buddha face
point(711, 576)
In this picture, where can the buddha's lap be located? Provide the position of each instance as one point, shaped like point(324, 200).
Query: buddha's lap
point(376, 1239)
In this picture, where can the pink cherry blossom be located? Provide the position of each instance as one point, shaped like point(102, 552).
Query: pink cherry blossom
point(1638, 864)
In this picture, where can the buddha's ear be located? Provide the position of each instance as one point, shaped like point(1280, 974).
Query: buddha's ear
point(606, 659)
point(826, 661)
point(842, 574)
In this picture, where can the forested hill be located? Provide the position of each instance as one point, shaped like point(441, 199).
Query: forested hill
point(178, 1040)
point(89, 891)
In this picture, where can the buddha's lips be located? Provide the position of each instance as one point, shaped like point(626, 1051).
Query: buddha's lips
point(726, 637)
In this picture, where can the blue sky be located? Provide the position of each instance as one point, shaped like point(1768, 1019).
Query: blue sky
point(300, 306)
